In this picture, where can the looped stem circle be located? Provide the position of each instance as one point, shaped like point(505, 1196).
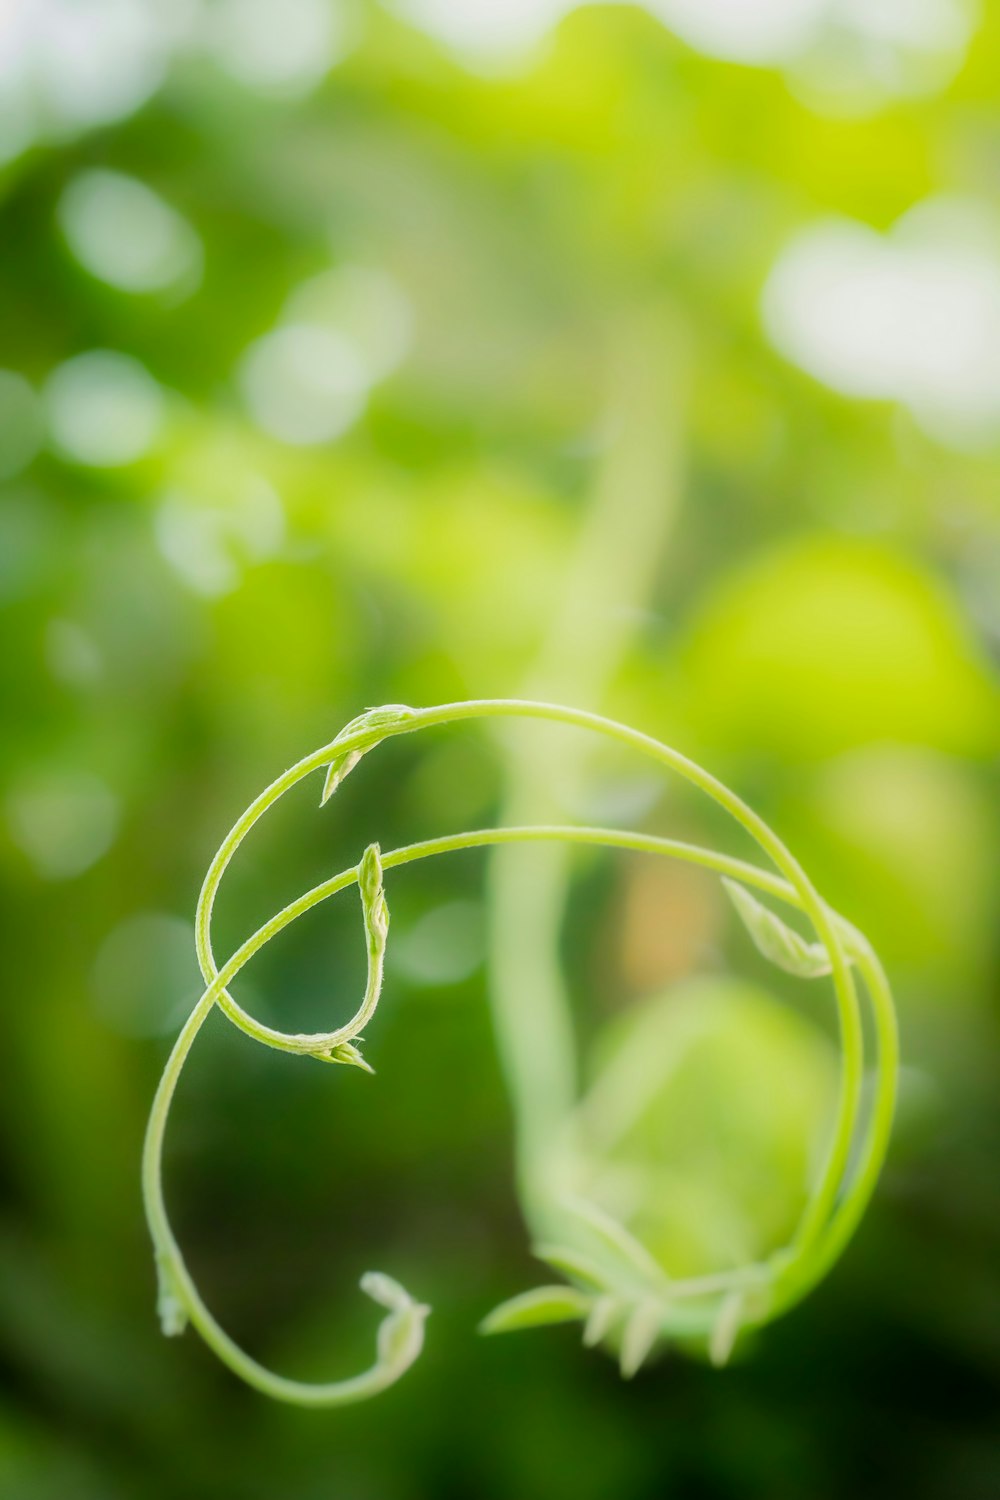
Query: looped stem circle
point(716, 1308)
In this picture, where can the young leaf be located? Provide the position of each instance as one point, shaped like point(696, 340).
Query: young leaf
point(338, 768)
point(598, 1324)
point(726, 1330)
point(347, 1053)
point(572, 1263)
point(400, 1338)
point(546, 1304)
point(639, 1335)
point(386, 1291)
point(780, 944)
point(386, 717)
point(373, 900)
point(400, 1335)
point(616, 1239)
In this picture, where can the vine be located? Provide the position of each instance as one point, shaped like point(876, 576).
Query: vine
point(612, 1285)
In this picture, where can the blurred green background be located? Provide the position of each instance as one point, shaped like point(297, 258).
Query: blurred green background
point(647, 357)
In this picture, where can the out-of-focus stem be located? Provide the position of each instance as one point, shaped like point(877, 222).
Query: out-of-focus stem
point(607, 583)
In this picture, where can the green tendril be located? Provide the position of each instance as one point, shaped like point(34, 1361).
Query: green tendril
point(614, 1286)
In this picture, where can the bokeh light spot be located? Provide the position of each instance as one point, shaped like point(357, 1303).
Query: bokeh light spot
point(444, 946)
point(303, 384)
point(20, 423)
point(145, 977)
point(104, 409)
point(62, 820)
point(206, 545)
point(286, 48)
point(72, 654)
point(492, 31)
point(66, 65)
point(365, 307)
point(913, 317)
point(840, 54)
point(125, 234)
point(765, 31)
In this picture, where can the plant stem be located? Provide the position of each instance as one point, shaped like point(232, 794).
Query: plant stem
point(827, 1224)
point(608, 581)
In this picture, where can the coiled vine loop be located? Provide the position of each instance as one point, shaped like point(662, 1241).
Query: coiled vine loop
point(613, 1285)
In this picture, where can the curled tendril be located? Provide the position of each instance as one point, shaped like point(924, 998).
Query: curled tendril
point(613, 1285)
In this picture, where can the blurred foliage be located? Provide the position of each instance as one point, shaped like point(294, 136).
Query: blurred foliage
point(709, 1170)
point(306, 385)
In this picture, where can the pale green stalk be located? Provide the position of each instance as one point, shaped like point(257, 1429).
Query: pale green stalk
point(597, 601)
point(764, 1289)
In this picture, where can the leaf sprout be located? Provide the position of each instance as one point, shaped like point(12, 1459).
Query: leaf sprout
point(612, 1284)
